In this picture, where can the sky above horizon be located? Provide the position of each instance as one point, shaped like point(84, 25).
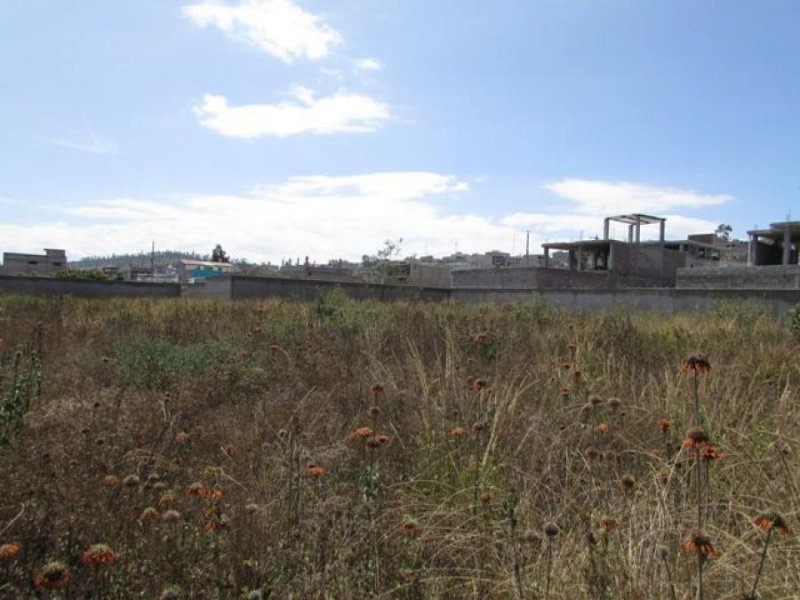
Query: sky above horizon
point(282, 129)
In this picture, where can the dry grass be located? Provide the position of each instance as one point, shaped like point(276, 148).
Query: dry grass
point(238, 418)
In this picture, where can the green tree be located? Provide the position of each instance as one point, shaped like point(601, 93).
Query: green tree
point(219, 255)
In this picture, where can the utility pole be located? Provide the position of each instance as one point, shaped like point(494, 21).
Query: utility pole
point(527, 247)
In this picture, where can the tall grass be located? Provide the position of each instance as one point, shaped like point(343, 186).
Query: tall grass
point(351, 450)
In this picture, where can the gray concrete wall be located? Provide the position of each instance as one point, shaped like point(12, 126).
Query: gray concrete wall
point(643, 299)
point(51, 286)
point(243, 287)
point(772, 277)
point(529, 278)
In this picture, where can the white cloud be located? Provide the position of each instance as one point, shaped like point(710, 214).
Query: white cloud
point(95, 145)
point(343, 112)
point(592, 200)
point(368, 64)
point(320, 216)
point(278, 27)
point(605, 198)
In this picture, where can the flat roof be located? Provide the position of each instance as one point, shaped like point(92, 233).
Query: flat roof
point(633, 218)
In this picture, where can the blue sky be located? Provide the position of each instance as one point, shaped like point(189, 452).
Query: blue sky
point(286, 128)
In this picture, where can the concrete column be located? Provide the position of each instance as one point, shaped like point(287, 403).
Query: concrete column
point(572, 260)
point(638, 229)
point(546, 257)
point(751, 250)
point(606, 222)
point(661, 231)
point(787, 245)
point(580, 259)
point(630, 234)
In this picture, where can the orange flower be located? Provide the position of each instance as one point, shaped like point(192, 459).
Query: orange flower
point(710, 453)
point(360, 433)
point(315, 470)
point(772, 520)
point(53, 576)
point(566, 366)
point(197, 489)
point(478, 385)
point(166, 500)
point(111, 481)
point(696, 437)
point(664, 424)
point(700, 542)
point(457, 432)
point(607, 525)
point(408, 528)
point(697, 363)
point(99, 555)
point(9, 550)
point(215, 494)
point(479, 338)
point(148, 514)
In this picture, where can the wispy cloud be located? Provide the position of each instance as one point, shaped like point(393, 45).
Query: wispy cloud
point(319, 216)
point(368, 64)
point(95, 145)
point(599, 197)
point(343, 112)
point(278, 27)
point(591, 200)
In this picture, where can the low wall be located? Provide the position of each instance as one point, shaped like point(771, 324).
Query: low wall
point(243, 287)
point(667, 300)
point(772, 277)
point(528, 278)
point(49, 286)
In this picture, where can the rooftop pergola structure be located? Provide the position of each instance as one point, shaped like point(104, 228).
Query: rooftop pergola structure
point(784, 234)
point(634, 222)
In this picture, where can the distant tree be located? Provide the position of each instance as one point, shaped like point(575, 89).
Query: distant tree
point(723, 232)
point(219, 255)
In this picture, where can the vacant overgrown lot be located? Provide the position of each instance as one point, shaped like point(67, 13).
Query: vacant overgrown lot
point(192, 449)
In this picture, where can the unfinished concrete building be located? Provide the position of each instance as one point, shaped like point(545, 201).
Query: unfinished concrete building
point(777, 245)
point(16, 263)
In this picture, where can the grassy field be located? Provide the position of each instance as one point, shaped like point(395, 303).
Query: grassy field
point(193, 449)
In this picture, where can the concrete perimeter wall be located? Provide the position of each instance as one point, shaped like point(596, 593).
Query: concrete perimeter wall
point(243, 287)
point(773, 277)
point(667, 300)
point(51, 286)
point(529, 278)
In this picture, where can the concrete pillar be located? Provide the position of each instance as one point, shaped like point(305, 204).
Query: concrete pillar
point(606, 222)
point(572, 260)
point(787, 245)
point(661, 227)
point(580, 259)
point(546, 257)
point(638, 229)
point(751, 250)
point(630, 234)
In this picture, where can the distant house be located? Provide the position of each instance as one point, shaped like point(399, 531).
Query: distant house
point(192, 271)
point(50, 262)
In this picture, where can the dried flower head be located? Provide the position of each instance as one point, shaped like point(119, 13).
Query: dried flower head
point(602, 428)
point(614, 403)
point(408, 527)
point(170, 593)
point(664, 424)
point(592, 453)
point(457, 432)
point(131, 481)
point(377, 390)
point(478, 385)
point(99, 555)
point(53, 576)
point(167, 499)
point(628, 481)
point(551, 530)
point(697, 363)
point(771, 520)
point(181, 437)
point(662, 552)
point(313, 470)
point(709, 452)
point(111, 481)
point(251, 508)
point(360, 433)
point(700, 542)
point(171, 516)
point(696, 437)
point(595, 400)
point(607, 525)
point(198, 490)
point(148, 514)
point(566, 366)
point(9, 550)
